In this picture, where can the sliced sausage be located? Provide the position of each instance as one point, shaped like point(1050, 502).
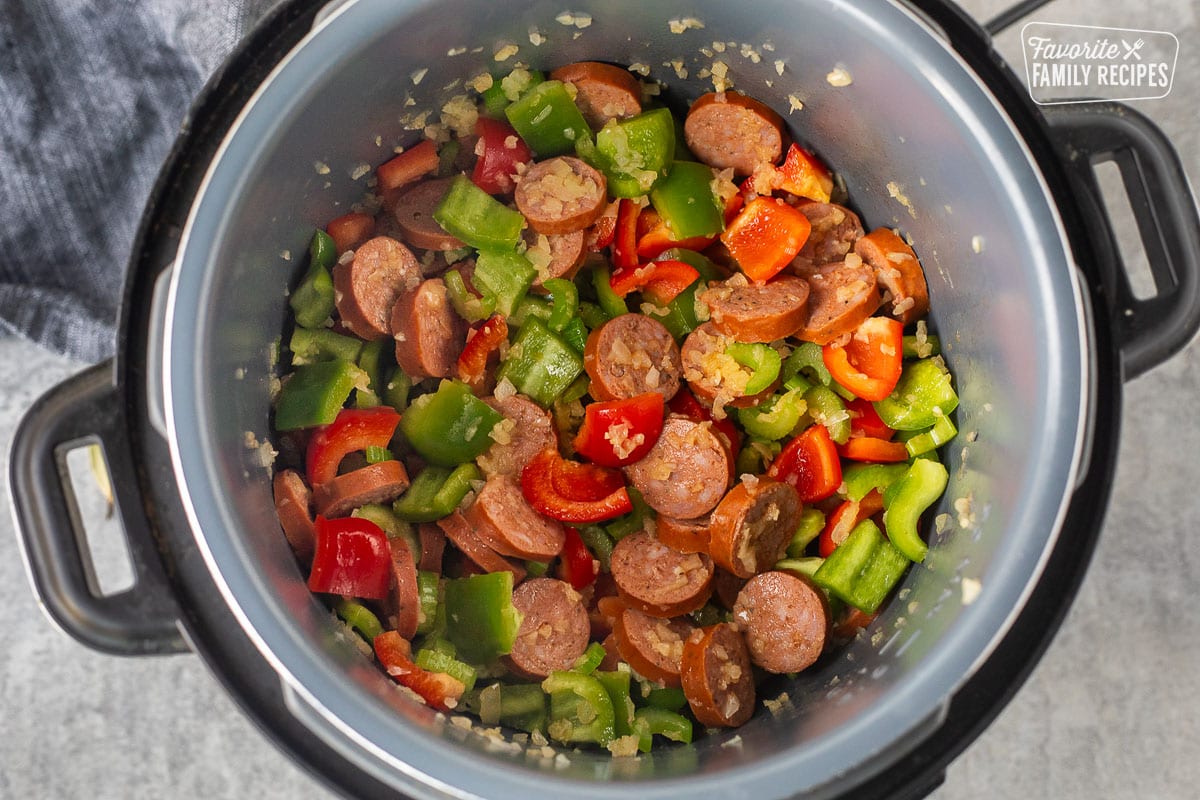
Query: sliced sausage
point(531, 431)
point(374, 483)
point(554, 631)
point(366, 287)
point(414, 214)
point(561, 195)
point(659, 580)
point(758, 312)
point(729, 129)
point(505, 522)
point(834, 230)
point(726, 587)
point(429, 333)
point(612, 655)
point(752, 525)
point(713, 375)
point(604, 91)
point(460, 533)
point(897, 270)
point(685, 535)
point(716, 676)
point(292, 505)
point(433, 547)
point(651, 646)
point(784, 619)
point(687, 471)
point(405, 600)
point(841, 296)
point(630, 355)
point(556, 256)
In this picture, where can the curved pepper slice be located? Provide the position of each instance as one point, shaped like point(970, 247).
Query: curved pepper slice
point(573, 492)
point(619, 432)
point(580, 709)
point(804, 176)
point(762, 359)
point(352, 558)
point(872, 450)
point(662, 280)
point(845, 519)
point(923, 395)
point(438, 689)
point(354, 429)
point(865, 421)
point(869, 365)
point(809, 463)
point(502, 151)
point(578, 568)
point(485, 341)
point(905, 501)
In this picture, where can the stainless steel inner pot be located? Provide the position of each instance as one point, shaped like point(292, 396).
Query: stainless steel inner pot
point(921, 144)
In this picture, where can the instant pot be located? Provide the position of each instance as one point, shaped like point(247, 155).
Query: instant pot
point(933, 134)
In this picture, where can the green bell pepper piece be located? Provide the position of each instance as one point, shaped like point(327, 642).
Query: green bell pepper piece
point(580, 387)
point(926, 441)
point(504, 91)
point(531, 307)
point(774, 418)
point(593, 315)
point(540, 364)
point(906, 499)
point(429, 591)
point(575, 333)
point(312, 302)
point(474, 216)
point(376, 455)
point(826, 408)
point(632, 522)
point(505, 275)
point(392, 525)
point(812, 522)
point(864, 569)
point(808, 362)
point(861, 479)
point(648, 722)
point(923, 394)
point(548, 120)
point(536, 569)
point(315, 394)
point(587, 663)
point(437, 661)
point(580, 708)
point(309, 346)
point(374, 360)
point(358, 617)
point(515, 705)
point(617, 684)
point(599, 543)
point(396, 389)
point(913, 349)
point(679, 316)
point(761, 358)
point(610, 303)
point(466, 304)
point(807, 565)
point(750, 459)
point(450, 426)
point(634, 154)
point(481, 619)
point(566, 303)
point(668, 698)
point(436, 492)
point(685, 201)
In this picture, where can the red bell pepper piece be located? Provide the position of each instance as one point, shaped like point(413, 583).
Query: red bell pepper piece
point(416, 161)
point(620, 432)
point(602, 232)
point(765, 236)
point(352, 558)
point(851, 623)
point(350, 230)
point(482, 343)
point(662, 280)
point(865, 421)
point(438, 689)
point(804, 175)
point(354, 429)
point(655, 238)
point(685, 404)
point(502, 150)
point(577, 566)
point(869, 365)
point(810, 463)
point(872, 450)
point(573, 492)
point(624, 246)
point(845, 519)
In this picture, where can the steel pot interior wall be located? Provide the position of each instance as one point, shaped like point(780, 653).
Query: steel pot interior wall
point(921, 145)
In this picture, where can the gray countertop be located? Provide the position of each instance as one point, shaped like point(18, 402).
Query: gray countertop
point(1112, 711)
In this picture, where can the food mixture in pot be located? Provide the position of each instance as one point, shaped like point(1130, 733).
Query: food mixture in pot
point(606, 415)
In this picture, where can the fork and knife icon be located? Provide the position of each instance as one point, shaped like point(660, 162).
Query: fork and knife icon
point(1132, 49)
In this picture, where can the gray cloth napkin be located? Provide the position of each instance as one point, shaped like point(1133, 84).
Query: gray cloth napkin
point(91, 97)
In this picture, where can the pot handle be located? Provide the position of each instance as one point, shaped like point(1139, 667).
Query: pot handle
point(141, 620)
point(1151, 329)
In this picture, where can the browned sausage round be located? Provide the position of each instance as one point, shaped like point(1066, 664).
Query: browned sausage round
point(713, 376)
point(687, 471)
point(414, 214)
point(505, 522)
point(685, 535)
point(292, 504)
point(555, 630)
point(555, 256)
point(561, 195)
point(660, 580)
point(834, 231)
point(459, 532)
point(605, 91)
point(366, 287)
point(716, 676)
point(752, 525)
point(429, 333)
point(841, 295)
point(374, 483)
point(785, 620)
point(630, 355)
point(758, 312)
point(726, 587)
point(897, 270)
point(433, 546)
point(652, 646)
point(530, 432)
point(405, 601)
point(728, 129)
